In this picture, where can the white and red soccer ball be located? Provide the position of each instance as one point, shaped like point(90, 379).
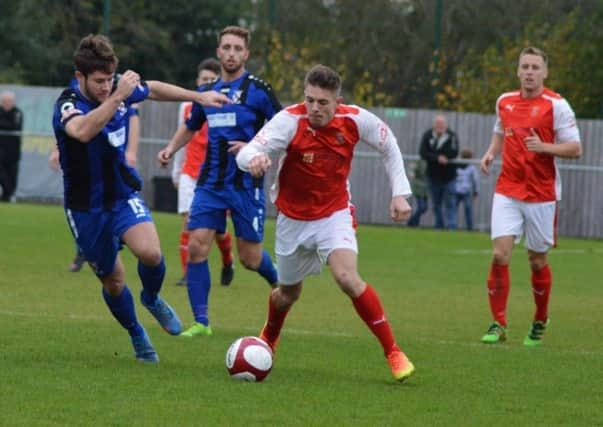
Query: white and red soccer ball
point(249, 359)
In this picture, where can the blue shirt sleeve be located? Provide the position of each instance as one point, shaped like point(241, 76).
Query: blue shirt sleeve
point(141, 92)
point(196, 118)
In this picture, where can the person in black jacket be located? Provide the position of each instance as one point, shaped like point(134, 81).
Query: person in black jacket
point(439, 146)
point(11, 124)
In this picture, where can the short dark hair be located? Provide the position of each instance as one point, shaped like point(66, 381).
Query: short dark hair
point(323, 77)
point(95, 53)
point(531, 50)
point(466, 153)
point(236, 31)
point(209, 64)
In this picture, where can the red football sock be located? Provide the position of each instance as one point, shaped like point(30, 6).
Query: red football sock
point(541, 288)
point(225, 246)
point(498, 292)
point(276, 319)
point(369, 308)
point(184, 250)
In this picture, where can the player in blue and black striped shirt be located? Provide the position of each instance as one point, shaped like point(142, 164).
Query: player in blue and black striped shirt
point(102, 204)
point(222, 186)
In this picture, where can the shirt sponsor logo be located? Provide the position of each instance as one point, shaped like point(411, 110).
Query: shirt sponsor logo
point(382, 133)
point(534, 111)
point(221, 120)
point(118, 137)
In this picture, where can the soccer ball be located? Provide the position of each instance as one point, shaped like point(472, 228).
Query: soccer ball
point(249, 359)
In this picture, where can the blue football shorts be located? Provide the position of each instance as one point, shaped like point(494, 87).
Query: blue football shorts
point(247, 210)
point(98, 234)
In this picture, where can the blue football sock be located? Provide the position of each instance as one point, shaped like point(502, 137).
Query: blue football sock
point(122, 308)
point(152, 279)
point(198, 282)
point(267, 270)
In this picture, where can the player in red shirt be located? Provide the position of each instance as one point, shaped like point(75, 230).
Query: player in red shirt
point(314, 225)
point(186, 169)
point(534, 125)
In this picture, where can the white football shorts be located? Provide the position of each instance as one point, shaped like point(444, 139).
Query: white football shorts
point(538, 221)
point(186, 191)
point(302, 247)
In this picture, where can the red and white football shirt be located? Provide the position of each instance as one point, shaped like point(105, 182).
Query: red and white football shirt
point(525, 175)
point(315, 165)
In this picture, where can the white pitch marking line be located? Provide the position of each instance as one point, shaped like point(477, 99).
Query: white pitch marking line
point(505, 347)
point(552, 252)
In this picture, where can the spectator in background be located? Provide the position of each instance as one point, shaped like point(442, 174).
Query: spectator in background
point(419, 191)
point(185, 172)
point(439, 146)
point(11, 125)
point(467, 186)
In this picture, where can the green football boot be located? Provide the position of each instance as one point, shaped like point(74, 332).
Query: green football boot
point(496, 333)
point(197, 330)
point(534, 337)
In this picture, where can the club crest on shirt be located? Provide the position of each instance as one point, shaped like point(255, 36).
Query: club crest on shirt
point(122, 108)
point(308, 157)
point(534, 111)
point(340, 139)
point(508, 131)
point(236, 96)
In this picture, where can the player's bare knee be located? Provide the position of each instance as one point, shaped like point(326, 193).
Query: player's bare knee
point(150, 257)
point(113, 285)
point(250, 261)
point(346, 279)
point(501, 257)
point(197, 251)
point(537, 261)
point(284, 297)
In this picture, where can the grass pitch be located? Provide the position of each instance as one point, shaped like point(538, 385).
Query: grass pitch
point(65, 361)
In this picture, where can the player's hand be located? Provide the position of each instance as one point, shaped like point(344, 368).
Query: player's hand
point(235, 146)
point(164, 156)
point(212, 99)
point(485, 163)
point(442, 159)
point(53, 160)
point(534, 143)
point(126, 84)
point(259, 164)
point(131, 159)
point(399, 209)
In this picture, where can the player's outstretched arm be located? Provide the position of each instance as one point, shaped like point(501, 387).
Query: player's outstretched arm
point(274, 137)
point(161, 91)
